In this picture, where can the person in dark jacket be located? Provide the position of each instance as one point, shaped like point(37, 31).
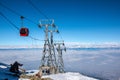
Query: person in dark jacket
point(15, 67)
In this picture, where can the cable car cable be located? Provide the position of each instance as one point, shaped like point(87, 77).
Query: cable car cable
point(16, 26)
point(35, 38)
point(9, 21)
point(17, 13)
point(30, 2)
point(13, 23)
point(9, 9)
point(24, 17)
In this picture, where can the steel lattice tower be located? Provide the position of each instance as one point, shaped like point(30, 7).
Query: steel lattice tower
point(60, 47)
point(48, 61)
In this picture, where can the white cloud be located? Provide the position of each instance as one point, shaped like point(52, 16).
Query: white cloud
point(90, 61)
point(19, 46)
point(92, 45)
point(68, 45)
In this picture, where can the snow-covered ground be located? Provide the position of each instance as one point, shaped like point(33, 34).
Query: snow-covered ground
point(63, 76)
point(69, 76)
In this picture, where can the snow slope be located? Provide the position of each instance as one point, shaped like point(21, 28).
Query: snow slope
point(63, 76)
point(69, 76)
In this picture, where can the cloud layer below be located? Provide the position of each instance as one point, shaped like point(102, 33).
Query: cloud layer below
point(103, 63)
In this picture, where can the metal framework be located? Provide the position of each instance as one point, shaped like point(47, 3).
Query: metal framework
point(51, 63)
point(48, 61)
point(60, 47)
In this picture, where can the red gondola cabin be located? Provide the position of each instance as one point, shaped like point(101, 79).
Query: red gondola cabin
point(24, 32)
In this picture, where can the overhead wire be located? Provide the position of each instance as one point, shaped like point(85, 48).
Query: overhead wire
point(16, 13)
point(60, 34)
point(30, 2)
point(34, 6)
point(9, 21)
point(35, 38)
point(16, 26)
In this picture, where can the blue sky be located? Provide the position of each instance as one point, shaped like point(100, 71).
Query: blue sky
point(77, 20)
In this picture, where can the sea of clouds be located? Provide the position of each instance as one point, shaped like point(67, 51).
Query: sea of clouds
point(92, 61)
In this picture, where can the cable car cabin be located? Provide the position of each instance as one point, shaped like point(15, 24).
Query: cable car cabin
point(24, 32)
